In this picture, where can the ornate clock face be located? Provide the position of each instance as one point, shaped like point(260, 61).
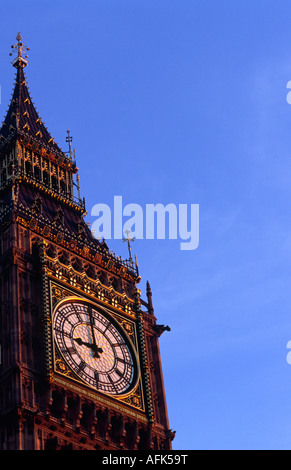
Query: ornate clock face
point(94, 348)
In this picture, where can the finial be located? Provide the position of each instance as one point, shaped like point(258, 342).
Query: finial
point(20, 49)
point(78, 187)
point(72, 154)
point(136, 264)
point(149, 290)
point(69, 139)
point(128, 240)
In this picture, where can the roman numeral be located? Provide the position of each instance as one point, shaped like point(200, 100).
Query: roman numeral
point(107, 325)
point(115, 345)
point(119, 372)
point(112, 383)
point(77, 313)
point(81, 367)
point(97, 379)
point(123, 361)
point(62, 332)
point(71, 351)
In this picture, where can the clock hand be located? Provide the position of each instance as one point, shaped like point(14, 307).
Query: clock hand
point(94, 347)
point(82, 343)
point(96, 350)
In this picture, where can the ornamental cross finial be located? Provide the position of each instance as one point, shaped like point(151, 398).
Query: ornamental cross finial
point(128, 240)
point(20, 49)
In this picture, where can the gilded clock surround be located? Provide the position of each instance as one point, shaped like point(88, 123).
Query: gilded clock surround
point(59, 295)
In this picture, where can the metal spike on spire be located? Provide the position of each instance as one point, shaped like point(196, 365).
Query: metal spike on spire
point(70, 153)
point(20, 49)
point(69, 139)
point(128, 240)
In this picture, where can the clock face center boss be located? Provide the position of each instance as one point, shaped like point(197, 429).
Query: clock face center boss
point(95, 348)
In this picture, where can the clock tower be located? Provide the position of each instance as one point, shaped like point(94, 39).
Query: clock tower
point(80, 360)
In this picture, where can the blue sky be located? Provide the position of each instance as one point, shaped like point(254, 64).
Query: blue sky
point(184, 101)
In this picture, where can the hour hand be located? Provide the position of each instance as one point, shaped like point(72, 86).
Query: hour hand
point(94, 347)
point(82, 343)
point(96, 350)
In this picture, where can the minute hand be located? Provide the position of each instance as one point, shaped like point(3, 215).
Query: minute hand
point(94, 345)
